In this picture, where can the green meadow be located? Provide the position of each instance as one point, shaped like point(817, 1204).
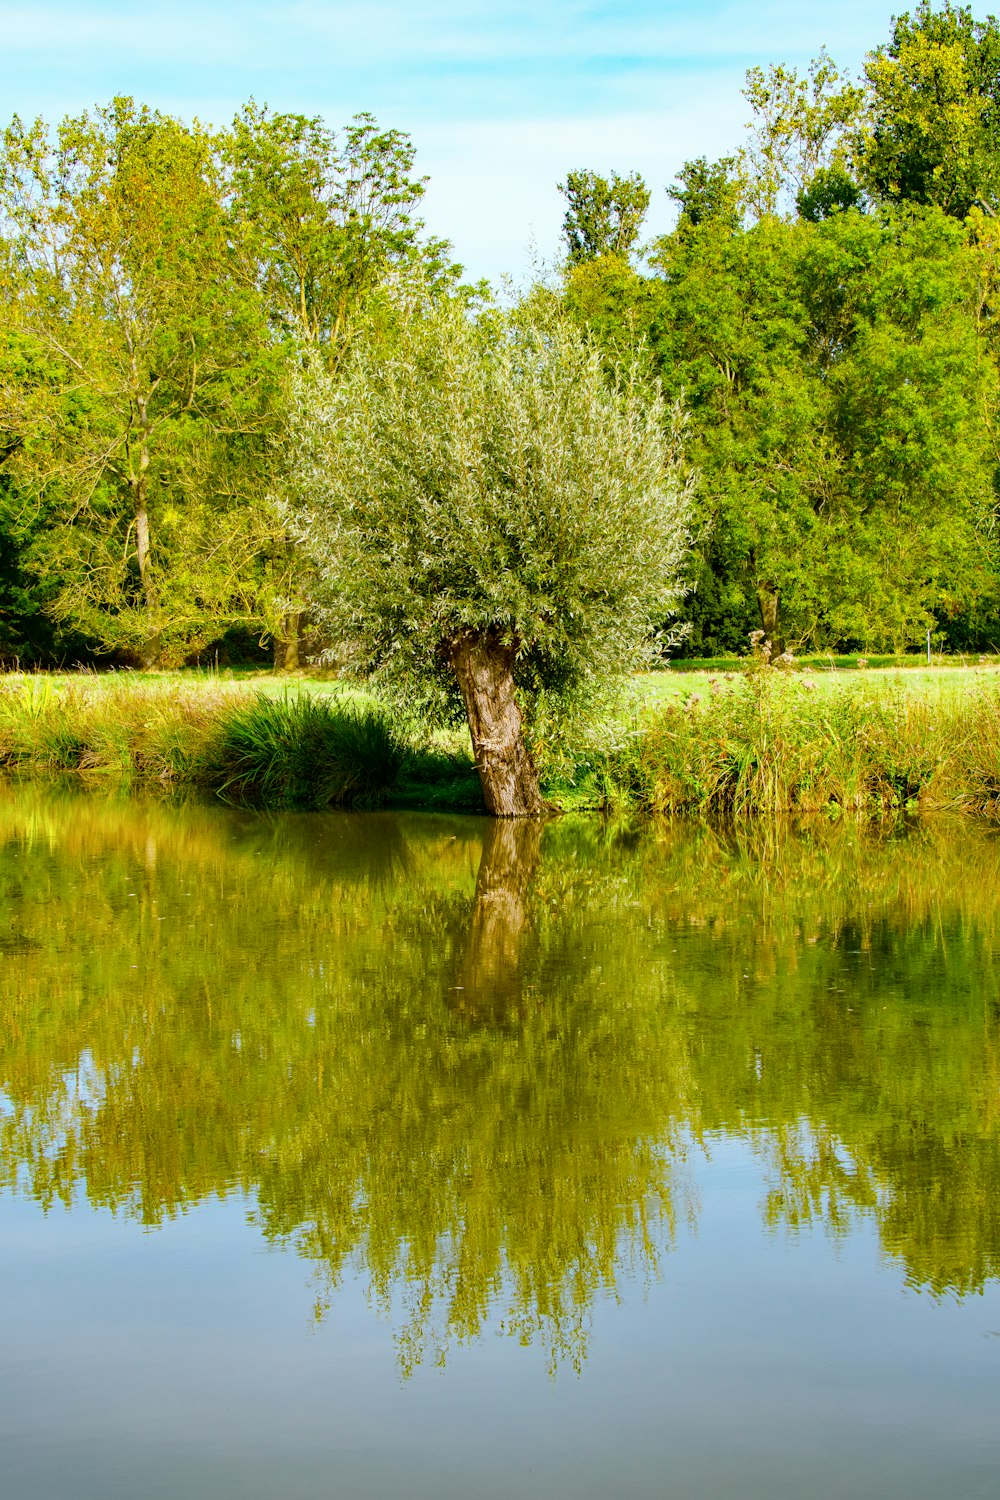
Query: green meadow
point(723, 740)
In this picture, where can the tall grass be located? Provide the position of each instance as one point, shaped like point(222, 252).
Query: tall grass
point(248, 748)
point(765, 742)
point(109, 724)
point(771, 743)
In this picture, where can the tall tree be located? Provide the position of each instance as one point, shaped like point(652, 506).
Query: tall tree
point(837, 386)
point(708, 190)
point(120, 272)
point(325, 216)
point(28, 588)
point(604, 215)
point(486, 512)
point(800, 129)
point(932, 133)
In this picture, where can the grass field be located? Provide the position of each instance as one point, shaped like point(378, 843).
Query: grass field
point(674, 681)
point(713, 740)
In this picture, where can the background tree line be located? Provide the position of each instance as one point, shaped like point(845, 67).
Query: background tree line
point(161, 282)
point(825, 310)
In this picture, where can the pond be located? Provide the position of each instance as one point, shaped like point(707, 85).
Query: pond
point(367, 1155)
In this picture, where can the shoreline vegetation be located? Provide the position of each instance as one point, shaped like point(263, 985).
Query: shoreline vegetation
point(723, 745)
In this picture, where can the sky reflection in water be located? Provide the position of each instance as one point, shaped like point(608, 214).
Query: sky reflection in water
point(709, 1128)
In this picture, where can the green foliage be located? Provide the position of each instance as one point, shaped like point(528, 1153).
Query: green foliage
point(604, 215)
point(157, 280)
point(303, 751)
point(483, 474)
point(837, 383)
point(144, 398)
point(829, 191)
point(801, 129)
point(825, 312)
point(932, 132)
point(840, 371)
point(29, 635)
point(708, 190)
point(326, 216)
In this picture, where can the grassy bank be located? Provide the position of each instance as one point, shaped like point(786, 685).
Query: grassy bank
point(245, 747)
point(911, 661)
point(767, 742)
point(730, 744)
point(724, 746)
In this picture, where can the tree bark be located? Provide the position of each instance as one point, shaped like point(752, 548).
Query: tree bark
point(484, 667)
point(287, 645)
point(152, 646)
point(767, 599)
point(139, 481)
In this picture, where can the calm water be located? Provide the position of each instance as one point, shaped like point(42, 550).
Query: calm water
point(377, 1156)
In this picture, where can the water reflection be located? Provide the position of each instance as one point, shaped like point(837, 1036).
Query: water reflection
point(495, 953)
point(472, 1060)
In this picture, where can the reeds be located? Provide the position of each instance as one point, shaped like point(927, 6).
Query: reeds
point(770, 742)
point(296, 751)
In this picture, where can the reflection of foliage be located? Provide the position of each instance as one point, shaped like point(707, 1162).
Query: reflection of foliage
point(466, 1058)
point(503, 1147)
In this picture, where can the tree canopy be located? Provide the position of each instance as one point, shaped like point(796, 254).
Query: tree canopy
point(485, 511)
point(159, 279)
point(825, 309)
point(604, 215)
point(824, 306)
point(932, 132)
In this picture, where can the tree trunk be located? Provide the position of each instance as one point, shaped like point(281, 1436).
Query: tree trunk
point(484, 667)
point(287, 645)
point(152, 647)
point(767, 599)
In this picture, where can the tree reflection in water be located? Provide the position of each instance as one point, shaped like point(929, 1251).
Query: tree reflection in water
point(471, 1061)
point(496, 951)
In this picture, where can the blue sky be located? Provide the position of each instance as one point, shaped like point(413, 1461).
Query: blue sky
point(501, 99)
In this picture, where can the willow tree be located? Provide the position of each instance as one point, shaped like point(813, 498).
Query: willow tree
point(484, 508)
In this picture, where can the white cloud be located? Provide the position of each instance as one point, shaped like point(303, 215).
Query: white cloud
point(501, 97)
point(493, 183)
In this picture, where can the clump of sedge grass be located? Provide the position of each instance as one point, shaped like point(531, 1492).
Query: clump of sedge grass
point(303, 751)
point(259, 751)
